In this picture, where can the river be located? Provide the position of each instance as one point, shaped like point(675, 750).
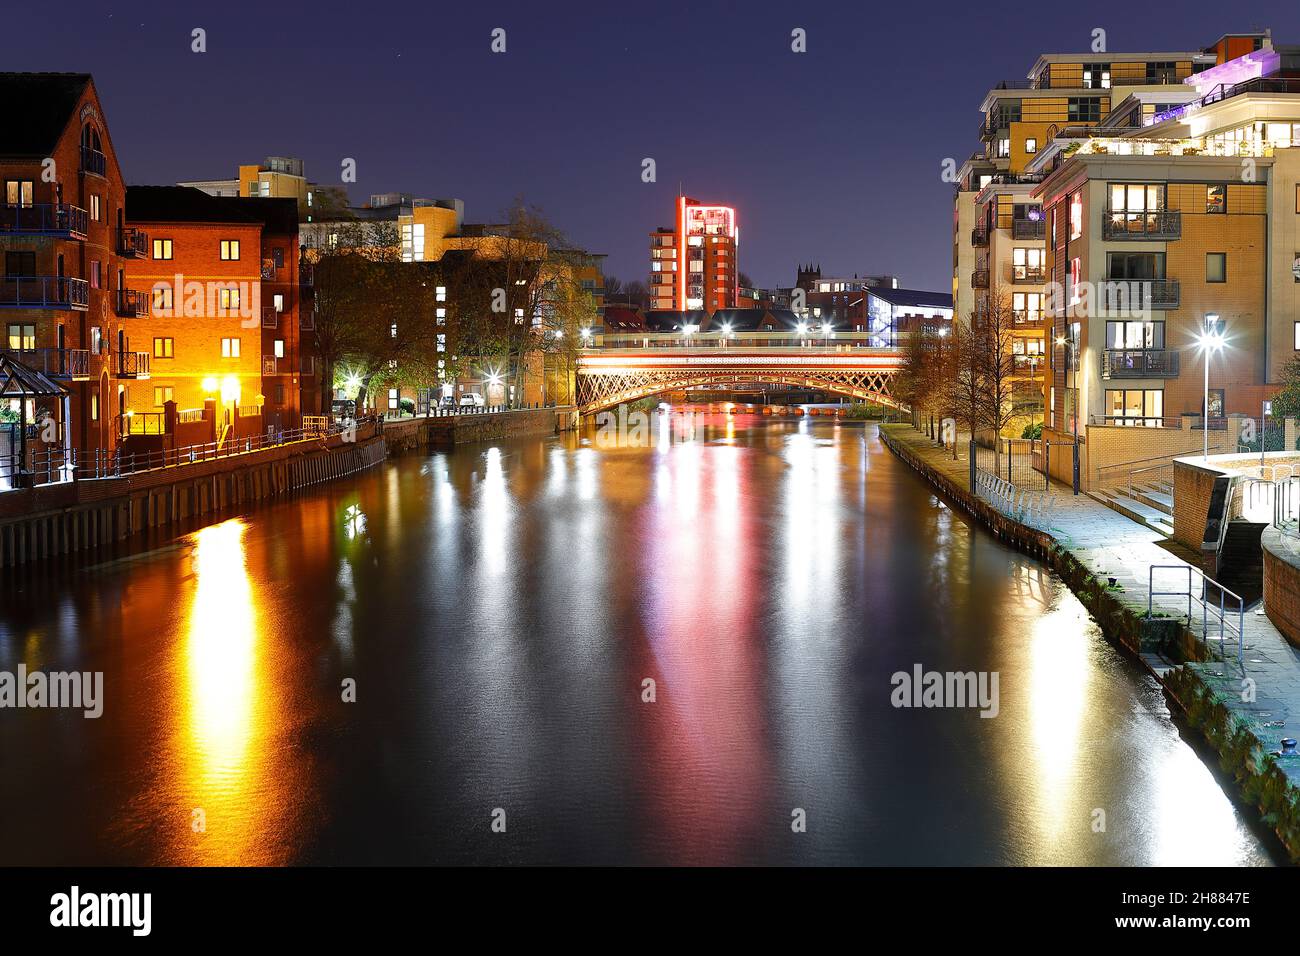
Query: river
point(448, 659)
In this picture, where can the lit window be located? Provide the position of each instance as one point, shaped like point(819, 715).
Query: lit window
point(162, 298)
point(94, 208)
point(229, 250)
point(18, 192)
point(279, 348)
point(440, 293)
point(1216, 198)
point(228, 298)
point(162, 248)
point(278, 301)
point(1031, 145)
point(164, 348)
point(230, 348)
point(1076, 215)
point(162, 394)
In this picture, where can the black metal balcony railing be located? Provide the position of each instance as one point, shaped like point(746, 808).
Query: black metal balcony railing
point(979, 279)
point(1140, 294)
point(268, 270)
point(56, 363)
point(1165, 224)
point(1033, 275)
point(133, 364)
point(93, 161)
point(270, 318)
point(132, 243)
point(132, 304)
point(44, 292)
point(979, 236)
point(1024, 317)
point(1028, 228)
point(44, 219)
point(1139, 363)
point(270, 365)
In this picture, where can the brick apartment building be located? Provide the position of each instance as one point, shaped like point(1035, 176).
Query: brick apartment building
point(70, 297)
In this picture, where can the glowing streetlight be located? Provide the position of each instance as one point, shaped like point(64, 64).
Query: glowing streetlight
point(1210, 340)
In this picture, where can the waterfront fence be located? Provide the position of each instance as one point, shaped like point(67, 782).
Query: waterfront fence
point(1223, 612)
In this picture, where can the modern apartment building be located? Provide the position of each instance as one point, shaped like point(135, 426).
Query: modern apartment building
point(1159, 231)
point(69, 299)
point(999, 225)
point(693, 265)
point(279, 177)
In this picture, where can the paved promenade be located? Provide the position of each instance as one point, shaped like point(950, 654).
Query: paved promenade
point(1111, 545)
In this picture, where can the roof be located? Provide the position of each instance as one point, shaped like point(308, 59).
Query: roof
point(913, 297)
point(19, 381)
point(665, 320)
point(622, 318)
point(753, 320)
point(185, 204)
point(37, 109)
point(278, 214)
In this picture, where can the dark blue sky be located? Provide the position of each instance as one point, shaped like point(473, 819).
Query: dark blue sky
point(831, 156)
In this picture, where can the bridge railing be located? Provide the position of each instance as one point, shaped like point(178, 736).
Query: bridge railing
point(829, 342)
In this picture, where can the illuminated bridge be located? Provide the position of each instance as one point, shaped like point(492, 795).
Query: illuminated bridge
point(614, 369)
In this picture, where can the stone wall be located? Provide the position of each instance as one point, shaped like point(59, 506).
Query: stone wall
point(417, 434)
point(1282, 582)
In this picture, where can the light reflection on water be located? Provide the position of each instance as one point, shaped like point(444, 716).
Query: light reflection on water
point(501, 608)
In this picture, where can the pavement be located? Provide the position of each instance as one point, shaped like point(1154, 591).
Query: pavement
point(1111, 545)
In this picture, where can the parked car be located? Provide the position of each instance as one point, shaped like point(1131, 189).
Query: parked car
point(344, 408)
point(471, 399)
point(447, 401)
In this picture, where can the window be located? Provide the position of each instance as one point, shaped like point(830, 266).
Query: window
point(393, 400)
point(1162, 73)
point(277, 257)
point(1076, 215)
point(1031, 145)
point(1083, 109)
point(442, 313)
point(163, 393)
point(279, 348)
point(277, 300)
point(18, 192)
point(1004, 148)
point(1297, 336)
point(22, 336)
point(162, 248)
point(164, 348)
point(1216, 267)
point(442, 341)
point(1137, 198)
point(1216, 198)
point(229, 249)
point(228, 298)
point(1216, 403)
point(1096, 76)
point(1135, 406)
point(20, 263)
point(96, 274)
point(1135, 335)
point(1027, 306)
point(94, 406)
point(1135, 265)
point(1027, 263)
point(230, 348)
point(440, 292)
point(94, 208)
point(162, 298)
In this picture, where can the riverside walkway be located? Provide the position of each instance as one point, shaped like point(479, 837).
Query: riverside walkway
point(1110, 545)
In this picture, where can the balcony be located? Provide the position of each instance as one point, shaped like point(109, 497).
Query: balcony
point(270, 318)
point(268, 270)
point(133, 364)
point(1139, 363)
point(979, 237)
point(44, 292)
point(59, 220)
point(93, 162)
point(1156, 226)
point(275, 366)
point(132, 304)
point(1028, 228)
point(979, 279)
point(132, 243)
point(1028, 275)
point(1132, 295)
point(1025, 317)
point(73, 364)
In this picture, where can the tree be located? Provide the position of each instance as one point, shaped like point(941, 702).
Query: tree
point(1286, 403)
point(993, 329)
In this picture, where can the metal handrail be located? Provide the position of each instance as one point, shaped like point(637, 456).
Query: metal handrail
point(1206, 602)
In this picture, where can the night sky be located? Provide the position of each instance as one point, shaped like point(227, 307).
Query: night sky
point(830, 156)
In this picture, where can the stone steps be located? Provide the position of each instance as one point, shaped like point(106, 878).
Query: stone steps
point(1144, 514)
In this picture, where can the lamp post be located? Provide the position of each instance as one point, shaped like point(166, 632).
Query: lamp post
point(1210, 340)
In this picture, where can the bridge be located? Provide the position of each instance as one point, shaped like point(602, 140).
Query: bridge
point(614, 369)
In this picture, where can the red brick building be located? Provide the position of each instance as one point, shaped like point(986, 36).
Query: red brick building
point(68, 300)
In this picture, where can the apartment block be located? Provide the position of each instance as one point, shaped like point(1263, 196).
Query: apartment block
point(693, 264)
point(70, 294)
point(1158, 232)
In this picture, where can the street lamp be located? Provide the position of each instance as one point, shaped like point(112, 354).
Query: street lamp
point(1210, 340)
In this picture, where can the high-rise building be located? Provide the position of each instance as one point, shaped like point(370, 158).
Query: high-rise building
point(693, 264)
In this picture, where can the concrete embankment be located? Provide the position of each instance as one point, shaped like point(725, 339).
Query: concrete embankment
point(443, 431)
point(1241, 711)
